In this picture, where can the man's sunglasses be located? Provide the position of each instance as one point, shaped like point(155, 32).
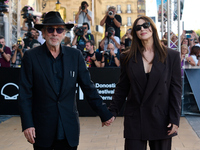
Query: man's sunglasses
point(58, 30)
point(144, 25)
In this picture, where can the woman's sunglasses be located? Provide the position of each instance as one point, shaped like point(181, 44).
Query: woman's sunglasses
point(144, 25)
point(58, 30)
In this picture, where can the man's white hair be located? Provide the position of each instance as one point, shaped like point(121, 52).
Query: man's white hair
point(112, 7)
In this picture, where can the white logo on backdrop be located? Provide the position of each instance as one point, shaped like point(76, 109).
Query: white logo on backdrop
point(6, 97)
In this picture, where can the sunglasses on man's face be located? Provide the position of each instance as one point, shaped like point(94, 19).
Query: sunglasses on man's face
point(144, 25)
point(58, 30)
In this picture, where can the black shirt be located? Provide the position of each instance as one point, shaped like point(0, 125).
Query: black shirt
point(110, 60)
point(57, 70)
point(89, 62)
point(110, 23)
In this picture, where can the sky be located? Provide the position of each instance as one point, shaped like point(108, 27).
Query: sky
point(191, 14)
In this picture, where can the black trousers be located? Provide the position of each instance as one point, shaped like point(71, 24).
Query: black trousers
point(57, 145)
point(164, 144)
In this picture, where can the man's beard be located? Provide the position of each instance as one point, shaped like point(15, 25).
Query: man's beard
point(52, 43)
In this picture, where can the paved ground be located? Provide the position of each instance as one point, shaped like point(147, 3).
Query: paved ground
point(194, 121)
point(94, 137)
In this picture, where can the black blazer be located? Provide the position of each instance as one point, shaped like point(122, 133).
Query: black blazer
point(151, 104)
point(39, 103)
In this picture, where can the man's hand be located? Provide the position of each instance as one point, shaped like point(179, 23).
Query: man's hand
point(174, 128)
point(111, 16)
point(93, 57)
point(29, 133)
point(112, 53)
point(1, 50)
point(79, 9)
point(108, 122)
point(112, 37)
point(85, 10)
point(106, 34)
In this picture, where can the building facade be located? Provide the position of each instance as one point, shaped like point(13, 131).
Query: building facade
point(128, 9)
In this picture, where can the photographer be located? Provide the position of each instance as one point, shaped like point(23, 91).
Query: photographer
point(109, 58)
point(29, 40)
point(84, 15)
point(92, 58)
point(29, 21)
point(17, 54)
point(112, 20)
point(127, 38)
point(111, 38)
point(81, 36)
point(5, 53)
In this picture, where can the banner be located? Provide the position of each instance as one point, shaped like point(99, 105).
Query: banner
point(105, 80)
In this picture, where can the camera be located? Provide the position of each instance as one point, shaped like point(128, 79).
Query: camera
point(1, 45)
point(110, 32)
point(19, 44)
point(107, 52)
point(83, 6)
point(79, 31)
point(188, 31)
point(28, 14)
point(29, 35)
point(110, 13)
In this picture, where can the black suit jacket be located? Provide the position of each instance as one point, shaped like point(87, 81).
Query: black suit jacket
point(151, 104)
point(39, 103)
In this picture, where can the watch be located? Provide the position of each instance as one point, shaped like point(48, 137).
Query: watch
point(2, 53)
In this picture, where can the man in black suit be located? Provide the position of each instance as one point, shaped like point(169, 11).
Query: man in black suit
point(49, 74)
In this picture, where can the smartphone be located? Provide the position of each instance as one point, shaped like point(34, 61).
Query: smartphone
point(188, 31)
point(188, 36)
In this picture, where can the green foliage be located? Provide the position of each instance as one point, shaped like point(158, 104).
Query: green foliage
point(198, 32)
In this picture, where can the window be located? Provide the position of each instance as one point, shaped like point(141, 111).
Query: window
point(141, 7)
point(128, 8)
point(119, 9)
point(129, 21)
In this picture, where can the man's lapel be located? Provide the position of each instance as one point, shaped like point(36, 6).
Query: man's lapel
point(46, 66)
point(66, 70)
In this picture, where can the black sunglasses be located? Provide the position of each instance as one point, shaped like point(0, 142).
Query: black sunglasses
point(58, 30)
point(144, 25)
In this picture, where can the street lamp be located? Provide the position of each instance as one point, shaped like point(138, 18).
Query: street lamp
point(58, 5)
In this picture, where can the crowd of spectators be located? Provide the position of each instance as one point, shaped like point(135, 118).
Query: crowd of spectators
point(108, 51)
point(190, 47)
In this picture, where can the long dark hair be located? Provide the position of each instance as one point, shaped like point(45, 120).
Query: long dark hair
point(136, 44)
point(195, 50)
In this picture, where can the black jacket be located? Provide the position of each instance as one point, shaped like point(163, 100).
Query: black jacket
point(151, 104)
point(39, 103)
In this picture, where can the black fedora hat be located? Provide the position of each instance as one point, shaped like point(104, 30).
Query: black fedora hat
point(53, 18)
